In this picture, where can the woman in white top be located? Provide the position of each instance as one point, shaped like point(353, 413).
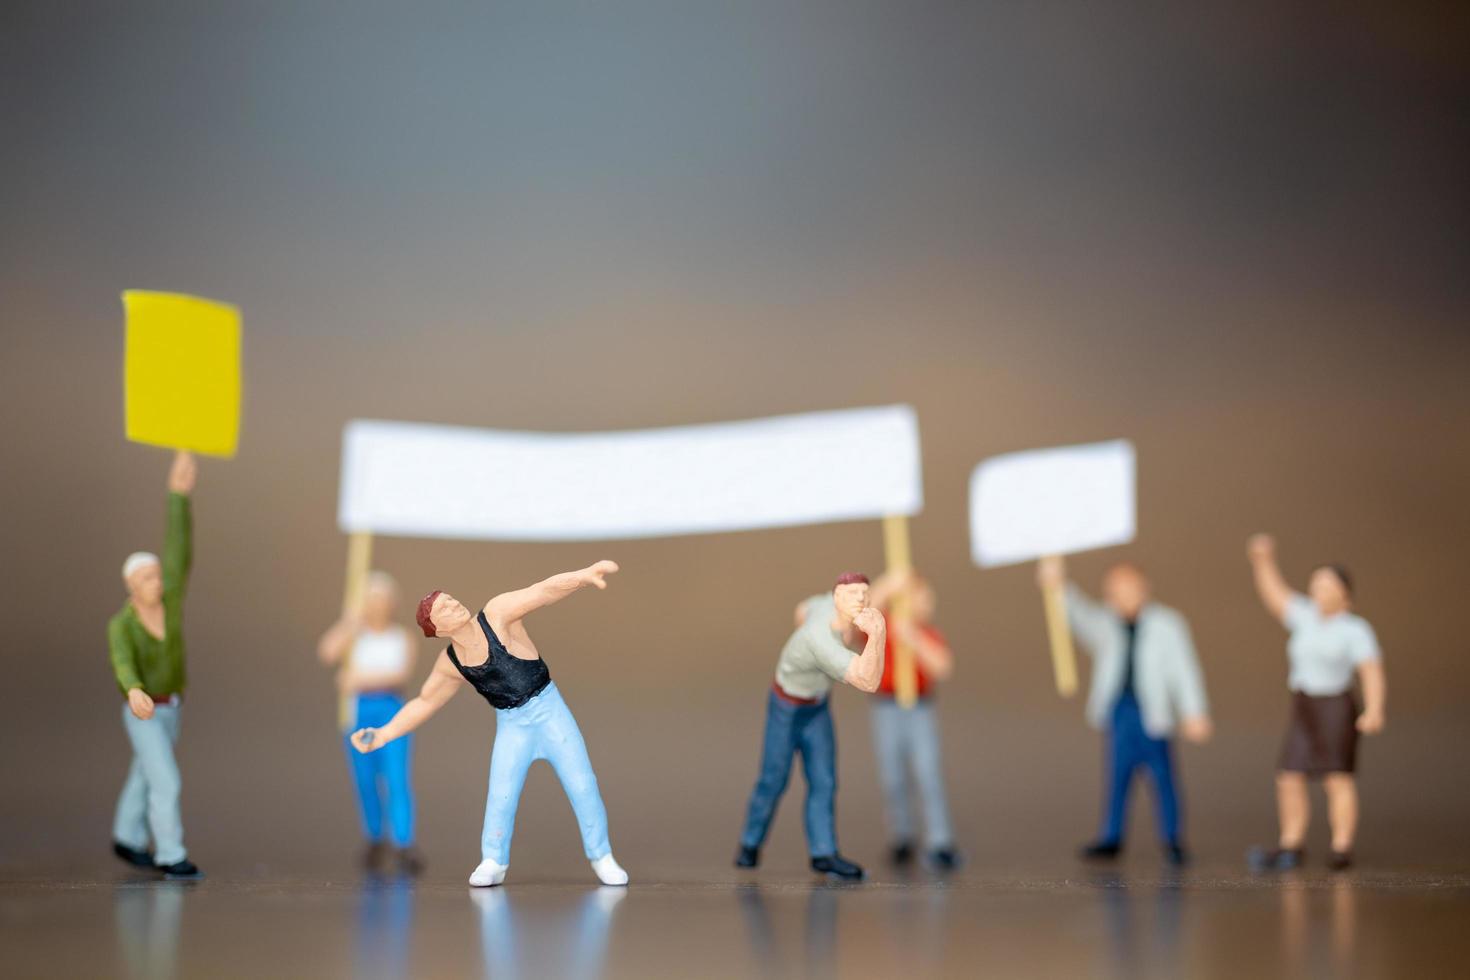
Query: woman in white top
point(1329, 645)
point(374, 656)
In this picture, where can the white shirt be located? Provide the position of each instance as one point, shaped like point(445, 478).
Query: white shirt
point(815, 656)
point(1324, 651)
point(380, 653)
point(1166, 674)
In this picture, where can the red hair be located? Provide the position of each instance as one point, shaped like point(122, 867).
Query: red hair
point(850, 578)
point(426, 605)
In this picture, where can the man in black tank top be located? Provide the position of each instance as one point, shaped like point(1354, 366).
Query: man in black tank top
point(493, 653)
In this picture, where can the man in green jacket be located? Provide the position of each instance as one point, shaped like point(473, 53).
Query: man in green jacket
point(146, 642)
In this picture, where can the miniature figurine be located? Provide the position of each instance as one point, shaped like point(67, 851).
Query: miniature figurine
point(906, 740)
point(1329, 643)
point(376, 656)
point(1146, 682)
point(493, 653)
point(798, 717)
point(146, 645)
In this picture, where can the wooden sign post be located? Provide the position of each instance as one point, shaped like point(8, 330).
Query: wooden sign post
point(896, 555)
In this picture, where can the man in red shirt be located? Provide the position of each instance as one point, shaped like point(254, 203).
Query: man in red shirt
point(906, 740)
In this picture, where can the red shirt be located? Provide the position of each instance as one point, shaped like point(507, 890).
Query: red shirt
point(885, 686)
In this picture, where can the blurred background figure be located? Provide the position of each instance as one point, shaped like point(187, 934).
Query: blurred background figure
point(375, 656)
point(1328, 644)
point(146, 644)
point(1146, 683)
point(906, 740)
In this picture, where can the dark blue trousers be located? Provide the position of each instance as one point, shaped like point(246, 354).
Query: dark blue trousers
point(1128, 748)
point(790, 729)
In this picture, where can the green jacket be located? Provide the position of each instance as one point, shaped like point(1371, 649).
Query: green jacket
point(140, 659)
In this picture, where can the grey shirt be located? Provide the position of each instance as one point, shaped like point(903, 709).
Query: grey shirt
point(815, 656)
point(1166, 674)
point(1324, 651)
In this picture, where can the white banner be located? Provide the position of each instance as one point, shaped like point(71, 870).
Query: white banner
point(440, 481)
point(1051, 502)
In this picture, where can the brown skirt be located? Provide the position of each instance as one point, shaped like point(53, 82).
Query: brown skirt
point(1322, 736)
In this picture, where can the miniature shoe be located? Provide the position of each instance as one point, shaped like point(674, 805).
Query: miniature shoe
point(1100, 850)
point(180, 871)
point(1175, 855)
point(1340, 860)
point(837, 866)
point(945, 859)
point(138, 859)
point(409, 860)
point(374, 855)
point(1275, 858)
point(488, 873)
point(901, 855)
point(608, 871)
point(747, 856)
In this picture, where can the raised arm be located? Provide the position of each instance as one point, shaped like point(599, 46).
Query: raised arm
point(442, 684)
point(178, 545)
point(508, 607)
point(1089, 621)
point(865, 671)
point(1270, 585)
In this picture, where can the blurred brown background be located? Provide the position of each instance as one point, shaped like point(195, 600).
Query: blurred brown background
point(1237, 238)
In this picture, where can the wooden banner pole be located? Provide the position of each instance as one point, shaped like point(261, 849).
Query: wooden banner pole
point(897, 556)
point(1063, 657)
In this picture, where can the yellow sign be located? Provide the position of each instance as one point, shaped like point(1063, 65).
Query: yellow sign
point(181, 372)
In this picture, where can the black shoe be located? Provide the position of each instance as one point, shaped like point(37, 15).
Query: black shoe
point(138, 859)
point(747, 856)
point(1275, 858)
point(410, 861)
point(837, 866)
point(1100, 850)
point(1175, 855)
point(1340, 860)
point(945, 859)
point(901, 855)
point(374, 856)
point(180, 871)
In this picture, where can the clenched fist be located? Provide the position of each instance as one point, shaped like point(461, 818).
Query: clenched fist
point(598, 573)
point(182, 473)
point(366, 739)
point(870, 621)
point(140, 704)
point(1051, 572)
point(1260, 547)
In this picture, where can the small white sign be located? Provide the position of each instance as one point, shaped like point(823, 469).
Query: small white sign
point(442, 481)
point(1052, 502)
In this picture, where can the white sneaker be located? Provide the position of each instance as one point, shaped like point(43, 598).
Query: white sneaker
point(489, 873)
point(609, 872)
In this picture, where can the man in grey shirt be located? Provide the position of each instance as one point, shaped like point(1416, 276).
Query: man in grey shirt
point(1146, 683)
point(798, 718)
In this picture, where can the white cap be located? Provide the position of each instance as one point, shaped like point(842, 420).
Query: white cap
point(136, 561)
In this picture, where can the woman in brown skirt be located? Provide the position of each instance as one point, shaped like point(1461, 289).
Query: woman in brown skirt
point(1329, 645)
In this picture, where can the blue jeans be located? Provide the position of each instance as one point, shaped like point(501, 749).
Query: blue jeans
point(542, 728)
point(792, 728)
point(149, 803)
point(1129, 746)
point(906, 741)
point(383, 771)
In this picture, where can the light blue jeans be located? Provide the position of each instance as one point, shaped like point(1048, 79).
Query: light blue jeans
point(542, 728)
point(906, 741)
point(149, 803)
